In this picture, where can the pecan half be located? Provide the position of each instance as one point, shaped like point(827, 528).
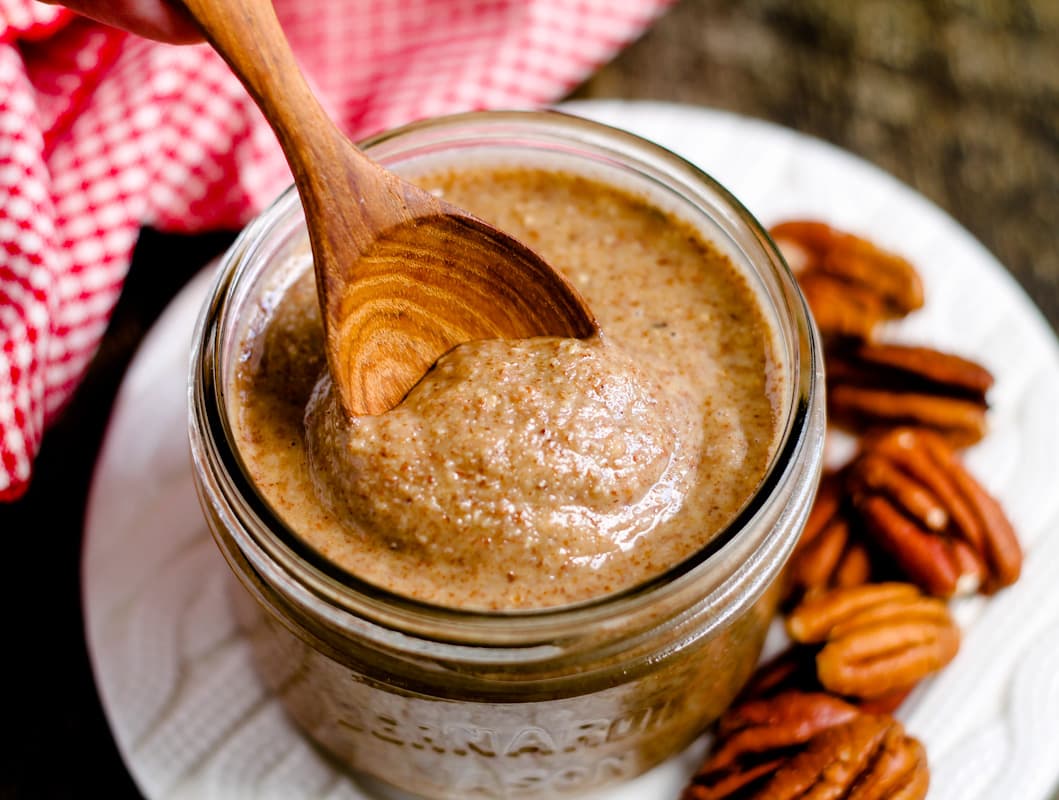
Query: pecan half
point(899, 771)
point(877, 639)
point(794, 670)
point(802, 746)
point(868, 758)
point(788, 718)
point(840, 309)
point(923, 508)
point(849, 283)
point(885, 385)
point(756, 737)
point(831, 551)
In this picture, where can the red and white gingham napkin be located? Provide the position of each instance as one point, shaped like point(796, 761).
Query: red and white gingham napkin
point(102, 132)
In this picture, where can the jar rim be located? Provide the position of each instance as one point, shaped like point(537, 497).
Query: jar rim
point(213, 443)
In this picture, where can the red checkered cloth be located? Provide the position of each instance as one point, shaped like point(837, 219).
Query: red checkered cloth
point(102, 132)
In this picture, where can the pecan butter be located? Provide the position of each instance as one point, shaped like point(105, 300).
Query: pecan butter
point(534, 473)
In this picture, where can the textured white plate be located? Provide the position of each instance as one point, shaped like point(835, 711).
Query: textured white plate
point(192, 721)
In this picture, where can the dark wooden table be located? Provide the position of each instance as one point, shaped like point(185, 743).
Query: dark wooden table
point(958, 98)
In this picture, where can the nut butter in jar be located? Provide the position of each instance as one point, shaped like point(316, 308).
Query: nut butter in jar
point(546, 574)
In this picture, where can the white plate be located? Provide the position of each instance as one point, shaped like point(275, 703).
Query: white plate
point(192, 721)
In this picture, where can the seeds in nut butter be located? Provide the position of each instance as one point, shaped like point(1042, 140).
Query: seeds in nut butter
point(534, 473)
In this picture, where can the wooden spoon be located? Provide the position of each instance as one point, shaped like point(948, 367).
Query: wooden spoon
point(402, 276)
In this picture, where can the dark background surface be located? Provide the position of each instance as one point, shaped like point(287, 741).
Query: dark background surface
point(958, 98)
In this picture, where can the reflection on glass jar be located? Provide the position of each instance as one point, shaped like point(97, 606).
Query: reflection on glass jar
point(459, 702)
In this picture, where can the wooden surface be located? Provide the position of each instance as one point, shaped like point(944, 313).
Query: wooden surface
point(958, 98)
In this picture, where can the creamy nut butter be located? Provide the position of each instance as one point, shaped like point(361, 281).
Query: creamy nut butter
point(555, 562)
point(524, 474)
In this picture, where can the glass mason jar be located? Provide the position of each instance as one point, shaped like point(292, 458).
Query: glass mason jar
point(449, 703)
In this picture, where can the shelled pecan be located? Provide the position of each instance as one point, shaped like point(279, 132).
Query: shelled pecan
point(798, 744)
point(883, 385)
point(754, 738)
point(849, 283)
point(794, 670)
point(929, 514)
point(763, 725)
point(868, 758)
point(831, 551)
point(877, 638)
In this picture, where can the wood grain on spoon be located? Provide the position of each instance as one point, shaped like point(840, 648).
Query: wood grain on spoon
point(402, 276)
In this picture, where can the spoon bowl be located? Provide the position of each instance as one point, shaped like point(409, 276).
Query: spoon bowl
point(402, 276)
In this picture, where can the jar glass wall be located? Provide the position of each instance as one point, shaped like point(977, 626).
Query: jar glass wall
point(453, 703)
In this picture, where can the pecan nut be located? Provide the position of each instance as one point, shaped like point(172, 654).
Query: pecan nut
point(886, 385)
point(839, 309)
point(877, 639)
point(899, 771)
point(841, 753)
point(849, 283)
point(831, 551)
point(755, 737)
point(922, 507)
point(794, 670)
point(867, 758)
point(788, 718)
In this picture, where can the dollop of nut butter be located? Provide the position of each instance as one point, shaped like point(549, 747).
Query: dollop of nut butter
point(534, 473)
point(538, 459)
